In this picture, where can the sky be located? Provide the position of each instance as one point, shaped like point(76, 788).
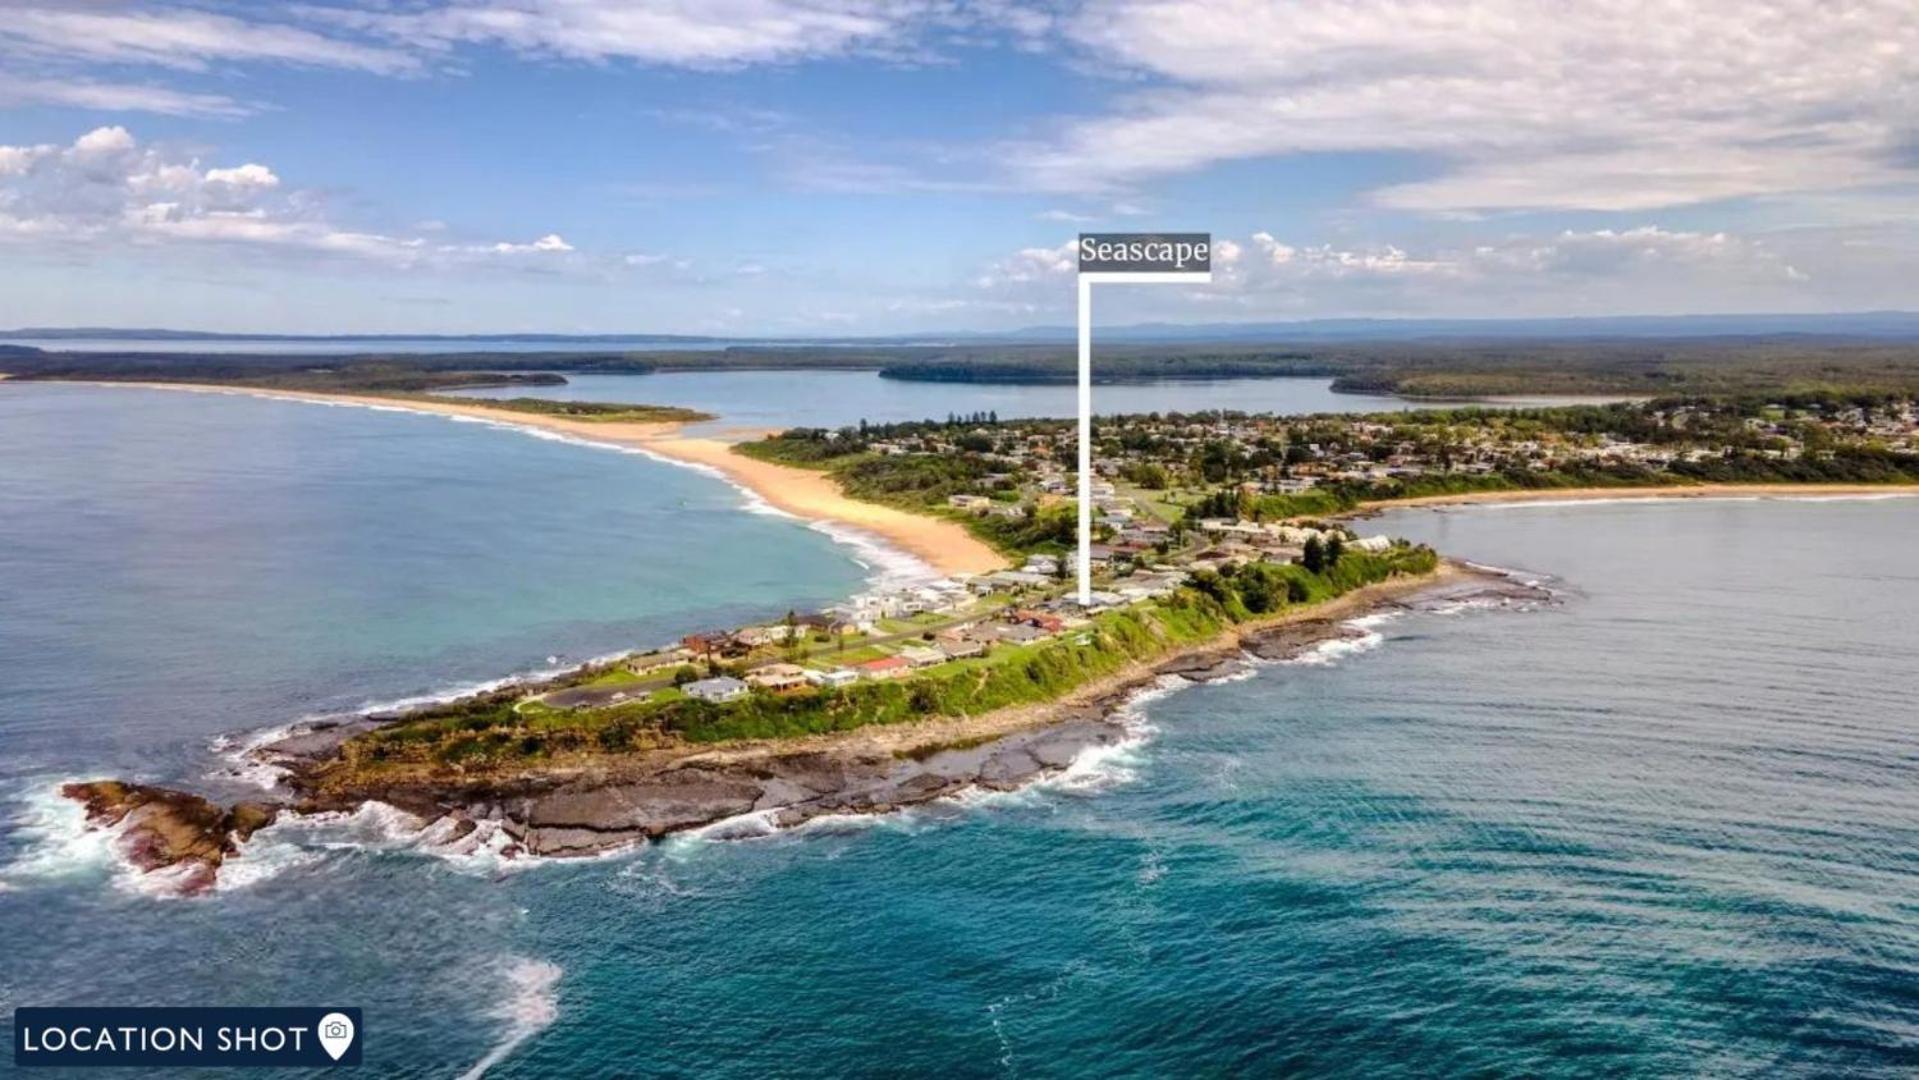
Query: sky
point(850, 167)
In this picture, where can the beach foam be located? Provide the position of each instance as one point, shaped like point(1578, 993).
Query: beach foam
point(530, 1006)
point(1333, 650)
point(61, 845)
point(58, 842)
point(378, 827)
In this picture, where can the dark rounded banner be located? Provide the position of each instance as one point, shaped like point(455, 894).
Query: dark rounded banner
point(159, 1038)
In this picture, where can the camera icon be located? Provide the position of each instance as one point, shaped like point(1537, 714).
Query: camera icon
point(336, 1034)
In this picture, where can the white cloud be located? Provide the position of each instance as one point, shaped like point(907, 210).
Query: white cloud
point(679, 33)
point(1029, 265)
point(106, 188)
point(548, 244)
point(182, 38)
point(1608, 104)
point(1645, 268)
point(104, 140)
point(248, 175)
point(116, 97)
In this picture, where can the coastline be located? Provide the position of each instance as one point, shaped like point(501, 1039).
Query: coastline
point(1636, 494)
point(587, 808)
point(598, 805)
point(811, 496)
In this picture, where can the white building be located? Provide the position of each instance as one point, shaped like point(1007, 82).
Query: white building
point(718, 691)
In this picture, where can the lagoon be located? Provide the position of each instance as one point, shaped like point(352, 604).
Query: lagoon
point(781, 399)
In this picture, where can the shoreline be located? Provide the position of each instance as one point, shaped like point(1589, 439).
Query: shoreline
point(593, 808)
point(1636, 494)
point(805, 494)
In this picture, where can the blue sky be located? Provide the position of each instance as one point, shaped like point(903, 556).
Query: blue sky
point(876, 166)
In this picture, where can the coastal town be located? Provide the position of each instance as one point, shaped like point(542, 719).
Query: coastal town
point(1183, 495)
point(1154, 468)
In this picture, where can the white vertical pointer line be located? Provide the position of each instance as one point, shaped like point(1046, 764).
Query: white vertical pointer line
point(1085, 440)
point(1086, 280)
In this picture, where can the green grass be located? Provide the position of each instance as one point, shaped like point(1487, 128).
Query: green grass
point(615, 676)
point(496, 734)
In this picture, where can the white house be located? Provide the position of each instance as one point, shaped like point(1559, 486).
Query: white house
point(832, 679)
point(719, 691)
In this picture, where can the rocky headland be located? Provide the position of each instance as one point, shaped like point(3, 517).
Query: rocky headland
point(628, 799)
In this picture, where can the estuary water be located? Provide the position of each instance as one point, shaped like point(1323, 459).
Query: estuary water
point(1667, 825)
point(837, 398)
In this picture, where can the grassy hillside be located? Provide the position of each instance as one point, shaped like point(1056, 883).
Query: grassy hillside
point(495, 734)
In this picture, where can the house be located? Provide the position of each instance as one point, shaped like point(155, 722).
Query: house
point(718, 691)
point(648, 663)
point(1018, 633)
point(886, 667)
point(755, 636)
point(1050, 623)
point(960, 650)
point(1374, 543)
point(969, 502)
point(1008, 579)
point(1042, 564)
point(921, 656)
point(777, 676)
point(713, 643)
point(832, 680)
point(1293, 534)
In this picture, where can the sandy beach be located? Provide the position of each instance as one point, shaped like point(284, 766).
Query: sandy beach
point(1695, 491)
point(813, 496)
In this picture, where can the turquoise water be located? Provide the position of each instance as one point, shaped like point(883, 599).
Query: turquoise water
point(173, 565)
point(1667, 826)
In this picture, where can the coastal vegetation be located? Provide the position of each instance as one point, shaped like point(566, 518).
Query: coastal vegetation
point(1458, 368)
point(603, 412)
point(499, 732)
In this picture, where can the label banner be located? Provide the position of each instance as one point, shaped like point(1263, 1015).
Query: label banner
point(1149, 253)
point(186, 1037)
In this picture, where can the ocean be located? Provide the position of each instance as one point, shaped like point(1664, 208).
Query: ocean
point(1665, 825)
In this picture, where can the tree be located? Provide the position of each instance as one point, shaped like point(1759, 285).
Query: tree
point(1314, 557)
point(1334, 549)
point(1296, 592)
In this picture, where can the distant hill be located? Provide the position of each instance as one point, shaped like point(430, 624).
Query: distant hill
point(1883, 325)
point(1864, 325)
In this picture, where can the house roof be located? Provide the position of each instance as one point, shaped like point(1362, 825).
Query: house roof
point(721, 684)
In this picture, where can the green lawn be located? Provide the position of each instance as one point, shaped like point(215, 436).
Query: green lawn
point(616, 676)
